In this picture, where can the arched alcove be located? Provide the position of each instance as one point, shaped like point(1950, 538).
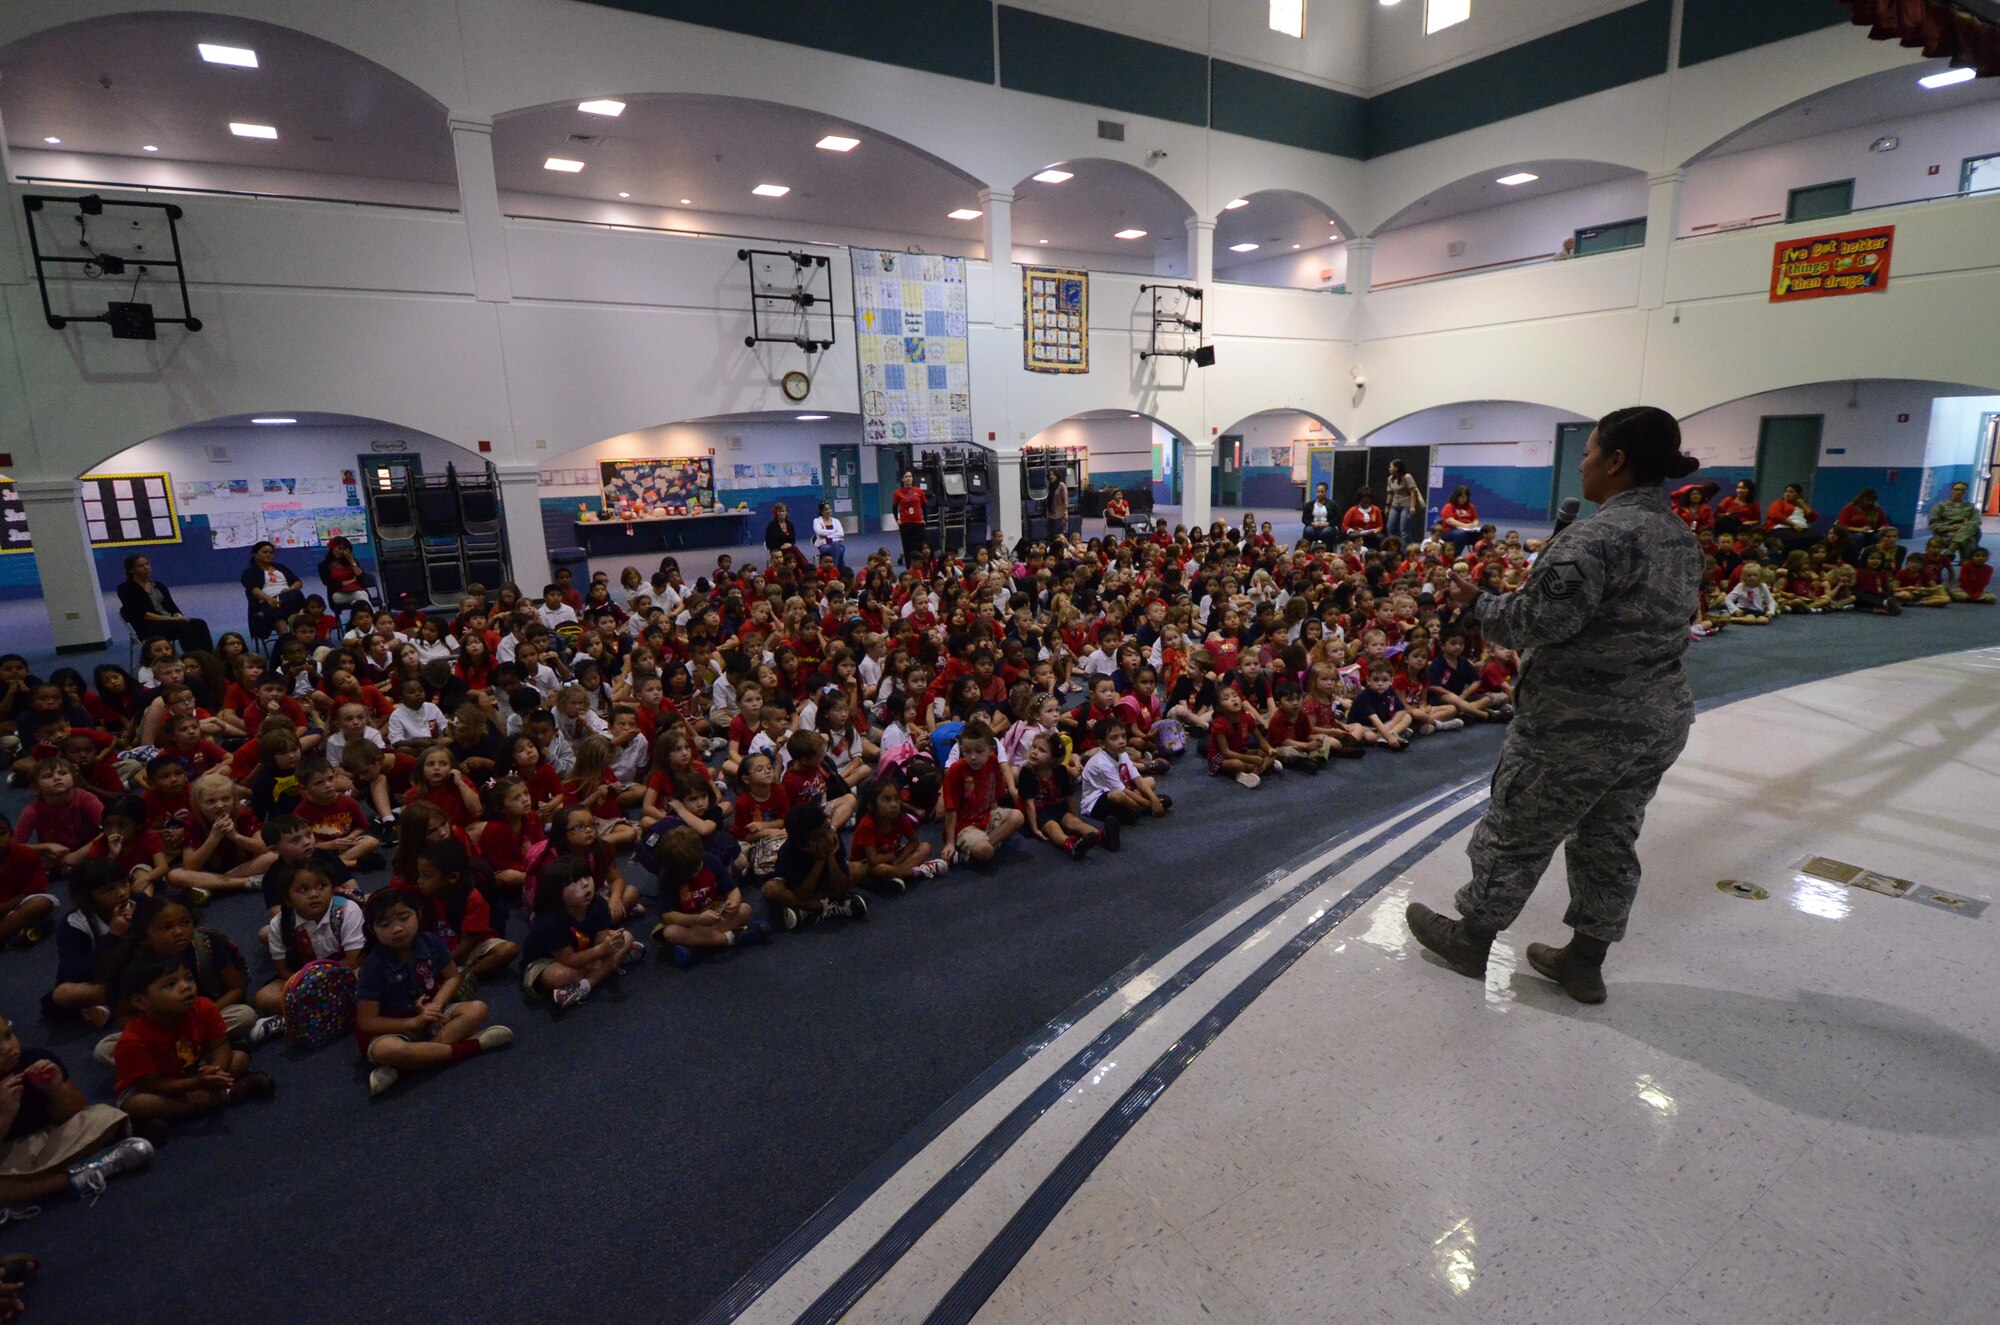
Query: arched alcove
point(1505, 451)
point(1511, 214)
point(1101, 215)
point(1280, 237)
point(128, 99)
point(696, 163)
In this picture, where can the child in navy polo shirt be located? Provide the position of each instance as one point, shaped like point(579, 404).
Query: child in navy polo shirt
point(1379, 712)
point(407, 1013)
point(704, 914)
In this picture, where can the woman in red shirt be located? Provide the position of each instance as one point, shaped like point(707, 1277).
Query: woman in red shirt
point(1691, 504)
point(1739, 512)
point(1458, 519)
point(908, 501)
point(1363, 519)
point(1791, 519)
point(1863, 519)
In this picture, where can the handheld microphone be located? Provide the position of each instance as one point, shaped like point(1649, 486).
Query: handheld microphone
point(1566, 515)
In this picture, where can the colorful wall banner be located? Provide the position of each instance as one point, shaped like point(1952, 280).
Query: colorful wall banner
point(1055, 320)
point(1856, 262)
point(910, 338)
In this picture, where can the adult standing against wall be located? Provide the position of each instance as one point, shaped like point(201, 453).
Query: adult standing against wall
point(1602, 708)
point(148, 607)
point(779, 533)
point(1956, 521)
point(346, 583)
point(1458, 519)
point(1058, 502)
point(1406, 503)
point(1318, 516)
point(273, 591)
point(908, 501)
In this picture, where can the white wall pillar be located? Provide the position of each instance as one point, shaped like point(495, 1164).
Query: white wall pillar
point(1201, 251)
point(527, 545)
point(1663, 221)
point(1360, 264)
point(1197, 490)
point(70, 592)
point(479, 204)
point(998, 205)
point(1007, 497)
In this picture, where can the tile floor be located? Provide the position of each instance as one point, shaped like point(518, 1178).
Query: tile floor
point(1789, 1110)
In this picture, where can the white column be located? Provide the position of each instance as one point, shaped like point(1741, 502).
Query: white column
point(479, 204)
point(1663, 221)
point(521, 508)
point(1197, 494)
point(998, 205)
point(1360, 264)
point(1007, 497)
point(63, 559)
point(1201, 251)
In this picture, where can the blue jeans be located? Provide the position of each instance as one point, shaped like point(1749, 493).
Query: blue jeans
point(1399, 523)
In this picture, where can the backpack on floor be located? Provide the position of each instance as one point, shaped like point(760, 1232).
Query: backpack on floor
point(319, 1003)
point(1171, 736)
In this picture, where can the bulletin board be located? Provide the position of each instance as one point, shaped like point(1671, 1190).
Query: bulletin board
point(674, 481)
point(14, 536)
point(910, 341)
point(124, 510)
point(1055, 320)
point(301, 510)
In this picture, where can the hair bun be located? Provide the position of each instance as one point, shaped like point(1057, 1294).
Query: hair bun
point(1683, 465)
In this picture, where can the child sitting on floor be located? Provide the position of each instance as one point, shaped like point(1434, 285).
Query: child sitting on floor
point(704, 914)
point(174, 1058)
point(886, 848)
point(573, 944)
point(813, 881)
point(1114, 790)
point(407, 1013)
point(1049, 800)
point(315, 926)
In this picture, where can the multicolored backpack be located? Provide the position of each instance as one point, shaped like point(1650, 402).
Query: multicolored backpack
point(319, 1003)
point(1171, 735)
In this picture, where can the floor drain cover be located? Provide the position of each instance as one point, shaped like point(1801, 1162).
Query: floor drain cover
point(1741, 888)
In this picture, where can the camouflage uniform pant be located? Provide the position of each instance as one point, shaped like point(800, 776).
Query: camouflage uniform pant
point(1590, 800)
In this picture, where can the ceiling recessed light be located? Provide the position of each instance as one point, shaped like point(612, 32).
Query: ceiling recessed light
point(1234, 203)
point(252, 130)
point(1041, 241)
point(812, 418)
point(624, 195)
point(687, 202)
point(965, 214)
point(1948, 78)
point(772, 190)
point(240, 56)
point(1242, 248)
point(271, 420)
point(53, 142)
point(563, 164)
point(1298, 246)
point(602, 106)
point(149, 148)
point(1131, 416)
point(1522, 177)
point(1053, 176)
point(835, 142)
point(1130, 234)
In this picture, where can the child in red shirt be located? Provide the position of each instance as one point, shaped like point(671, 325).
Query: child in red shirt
point(25, 901)
point(805, 783)
point(760, 810)
point(886, 848)
point(975, 822)
point(174, 1058)
point(338, 822)
point(1973, 578)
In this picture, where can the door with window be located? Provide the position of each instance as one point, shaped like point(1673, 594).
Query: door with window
point(840, 484)
point(1571, 439)
point(1787, 452)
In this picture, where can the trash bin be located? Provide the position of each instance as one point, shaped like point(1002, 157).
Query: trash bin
point(574, 558)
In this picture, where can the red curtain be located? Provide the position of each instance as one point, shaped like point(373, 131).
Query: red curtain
point(1941, 29)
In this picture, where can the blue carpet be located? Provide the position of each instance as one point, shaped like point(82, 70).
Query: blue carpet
point(635, 1159)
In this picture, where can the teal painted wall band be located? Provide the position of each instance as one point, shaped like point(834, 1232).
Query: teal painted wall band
point(949, 37)
point(1711, 29)
point(1276, 109)
point(1054, 57)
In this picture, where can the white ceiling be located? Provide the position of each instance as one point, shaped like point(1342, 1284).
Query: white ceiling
point(1893, 94)
point(1476, 193)
point(715, 150)
point(111, 86)
point(1278, 221)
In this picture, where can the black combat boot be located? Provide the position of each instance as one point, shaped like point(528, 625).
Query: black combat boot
point(1579, 968)
point(1463, 946)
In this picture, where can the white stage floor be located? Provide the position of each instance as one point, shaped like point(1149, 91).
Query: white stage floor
point(1789, 1109)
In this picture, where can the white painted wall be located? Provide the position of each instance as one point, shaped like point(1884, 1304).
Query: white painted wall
point(1334, 50)
point(1753, 185)
point(1309, 269)
point(1532, 228)
point(1399, 52)
point(1480, 432)
point(1861, 424)
point(1115, 445)
point(1954, 437)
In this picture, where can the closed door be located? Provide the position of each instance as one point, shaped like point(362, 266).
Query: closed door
point(1229, 470)
point(1986, 479)
point(840, 483)
point(1571, 439)
point(1787, 452)
point(1350, 476)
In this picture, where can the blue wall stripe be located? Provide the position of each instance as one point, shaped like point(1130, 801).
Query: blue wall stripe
point(866, 1272)
point(972, 1289)
point(1711, 29)
point(951, 37)
point(1276, 109)
point(1076, 62)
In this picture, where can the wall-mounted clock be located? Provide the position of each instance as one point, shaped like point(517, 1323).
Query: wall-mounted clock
point(796, 384)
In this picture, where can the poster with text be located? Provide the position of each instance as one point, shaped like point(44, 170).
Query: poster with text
point(1824, 266)
point(1055, 320)
point(910, 339)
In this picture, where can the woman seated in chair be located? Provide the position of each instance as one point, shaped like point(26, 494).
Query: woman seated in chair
point(1116, 509)
point(148, 607)
point(274, 593)
point(347, 584)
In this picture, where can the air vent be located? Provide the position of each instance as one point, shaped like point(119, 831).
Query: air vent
point(732, 442)
point(1111, 130)
point(217, 453)
point(585, 138)
point(1455, 249)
